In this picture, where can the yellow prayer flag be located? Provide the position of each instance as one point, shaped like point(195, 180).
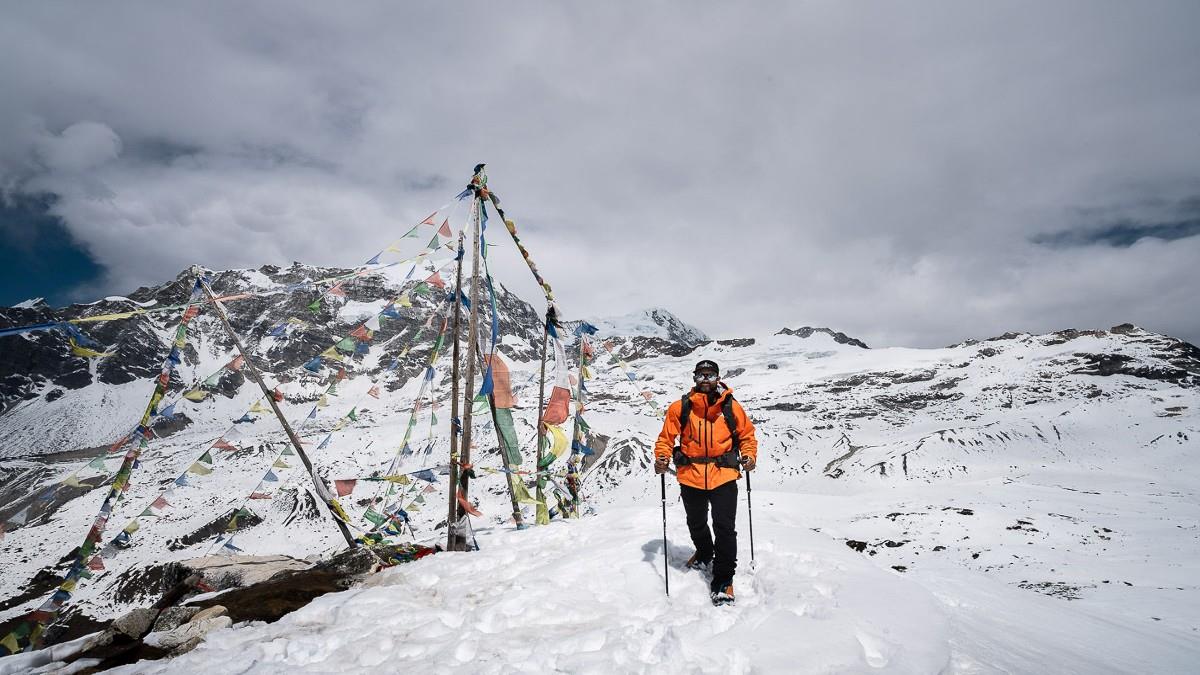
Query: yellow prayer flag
point(199, 469)
point(196, 395)
point(108, 317)
point(85, 352)
point(559, 443)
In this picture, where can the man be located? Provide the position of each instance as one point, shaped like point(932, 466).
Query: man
point(716, 439)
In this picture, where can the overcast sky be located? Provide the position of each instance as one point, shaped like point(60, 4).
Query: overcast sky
point(910, 173)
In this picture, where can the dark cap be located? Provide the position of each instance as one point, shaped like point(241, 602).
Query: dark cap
point(707, 365)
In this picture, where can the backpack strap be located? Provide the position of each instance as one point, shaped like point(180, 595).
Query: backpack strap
point(685, 413)
point(727, 411)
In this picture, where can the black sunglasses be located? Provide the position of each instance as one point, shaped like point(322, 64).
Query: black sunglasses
point(705, 377)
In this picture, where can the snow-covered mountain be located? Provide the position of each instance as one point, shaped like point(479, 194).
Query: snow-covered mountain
point(655, 322)
point(1046, 478)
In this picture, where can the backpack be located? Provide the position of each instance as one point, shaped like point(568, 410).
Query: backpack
point(730, 459)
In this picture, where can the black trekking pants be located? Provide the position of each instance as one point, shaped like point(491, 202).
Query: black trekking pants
point(723, 552)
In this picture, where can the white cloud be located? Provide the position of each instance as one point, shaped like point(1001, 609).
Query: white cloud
point(881, 172)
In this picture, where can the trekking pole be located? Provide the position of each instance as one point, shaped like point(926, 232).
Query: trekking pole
point(666, 569)
point(750, 514)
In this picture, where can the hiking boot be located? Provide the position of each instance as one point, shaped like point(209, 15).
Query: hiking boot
point(722, 596)
point(695, 563)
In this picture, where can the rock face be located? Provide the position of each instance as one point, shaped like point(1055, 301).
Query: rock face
point(38, 368)
point(840, 338)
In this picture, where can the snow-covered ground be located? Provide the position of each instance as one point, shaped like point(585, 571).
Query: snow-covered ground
point(587, 596)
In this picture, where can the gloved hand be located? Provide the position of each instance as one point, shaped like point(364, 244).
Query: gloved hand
point(748, 463)
point(661, 464)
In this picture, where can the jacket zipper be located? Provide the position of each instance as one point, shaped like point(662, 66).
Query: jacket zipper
point(706, 443)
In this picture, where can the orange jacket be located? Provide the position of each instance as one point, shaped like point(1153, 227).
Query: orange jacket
point(707, 435)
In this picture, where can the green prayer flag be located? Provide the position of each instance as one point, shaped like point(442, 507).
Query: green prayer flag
point(315, 306)
point(98, 463)
point(508, 437)
point(422, 289)
point(206, 457)
point(352, 415)
point(434, 243)
point(374, 517)
point(346, 345)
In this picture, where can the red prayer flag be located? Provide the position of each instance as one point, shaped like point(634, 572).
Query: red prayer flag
point(223, 444)
point(277, 394)
point(160, 503)
point(338, 291)
point(559, 406)
point(429, 220)
point(236, 363)
point(444, 230)
point(344, 487)
point(436, 280)
point(501, 382)
point(466, 506)
point(96, 564)
point(373, 391)
point(361, 334)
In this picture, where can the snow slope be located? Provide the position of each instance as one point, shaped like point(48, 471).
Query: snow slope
point(587, 596)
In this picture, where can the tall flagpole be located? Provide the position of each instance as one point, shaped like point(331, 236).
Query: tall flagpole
point(455, 425)
point(574, 458)
point(472, 345)
point(319, 483)
point(541, 482)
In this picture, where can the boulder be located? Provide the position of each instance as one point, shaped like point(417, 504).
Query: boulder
point(172, 617)
point(184, 638)
point(136, 622)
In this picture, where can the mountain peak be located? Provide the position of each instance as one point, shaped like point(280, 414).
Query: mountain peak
point(654, 322)
point(808, 331)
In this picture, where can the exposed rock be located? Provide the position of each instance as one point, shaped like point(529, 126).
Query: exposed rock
point(1106, 365)
point(136, 622)
point(172, 617)
point(808, 331)
point(209, 613)
point(186, 637)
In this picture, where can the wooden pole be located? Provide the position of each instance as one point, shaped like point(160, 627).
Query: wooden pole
point(455, 428)
point(512, 476)
point(574, 458)
point(541, 497)
point(472, 347)
point(319, 483)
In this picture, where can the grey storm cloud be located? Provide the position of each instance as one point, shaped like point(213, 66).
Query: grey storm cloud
point(908, 173)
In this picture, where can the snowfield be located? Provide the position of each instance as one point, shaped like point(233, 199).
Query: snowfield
point(587, 597)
